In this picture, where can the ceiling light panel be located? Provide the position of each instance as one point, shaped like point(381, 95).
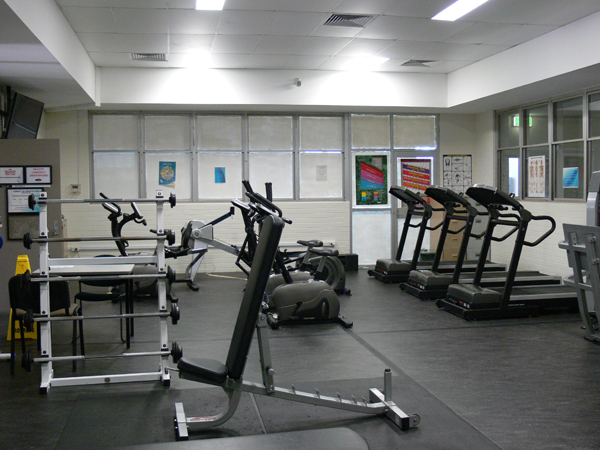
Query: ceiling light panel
point(210, 5)
point(458, 9)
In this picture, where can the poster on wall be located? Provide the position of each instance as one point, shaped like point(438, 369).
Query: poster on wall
point(457, 172)
point(415, 174)
point(571, 177)
point(166, 173)
point(371, 179)
point(536, 186)
point(11, 175)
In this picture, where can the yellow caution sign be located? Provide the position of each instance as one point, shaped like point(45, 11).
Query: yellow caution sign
point(22, 267)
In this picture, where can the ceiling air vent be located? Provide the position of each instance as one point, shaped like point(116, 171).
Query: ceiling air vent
point(148, 56)
point(417, 63)
point(348, 20)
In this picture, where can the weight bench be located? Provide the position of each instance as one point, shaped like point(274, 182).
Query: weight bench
point(229, 375)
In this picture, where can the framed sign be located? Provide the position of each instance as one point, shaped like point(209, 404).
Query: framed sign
point(38, 175)
point(371, 179)
point(17, 200)
point(12, 175)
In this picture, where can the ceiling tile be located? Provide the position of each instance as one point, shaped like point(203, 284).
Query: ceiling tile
point(193, 22)
point(266, 61)
point(374, 7)
point(244, 22)
point(230, 61)
point(252, 5)
point(160, 4)
point(405, 49)
point(365, 47)
point(322, 46)
point(545, 12)
point(279, 45)
point(459, 52)
point(240, 44)
point(411, 29)
point(302, 62)
point(417, 8)
point(307, 5)
point(185, 43)
point(118, 43)
point(295, 23)
point(499, 33)
point(341, 32)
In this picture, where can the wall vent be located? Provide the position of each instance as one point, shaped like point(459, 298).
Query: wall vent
point(348, 20)
point(418, 63)
point(149, 56)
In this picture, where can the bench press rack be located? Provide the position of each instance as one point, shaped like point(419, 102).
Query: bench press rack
point(45, 276)
point(229, 375)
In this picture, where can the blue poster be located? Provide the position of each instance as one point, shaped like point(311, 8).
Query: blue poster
point(219, 174)
point(166, 173)
point(571, 177)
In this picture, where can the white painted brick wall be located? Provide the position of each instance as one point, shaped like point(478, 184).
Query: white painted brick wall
point(326, 221)
point(546, 257)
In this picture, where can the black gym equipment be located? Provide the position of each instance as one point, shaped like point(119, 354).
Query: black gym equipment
point(433, 284)
point(229, 376)
point(398, 270)
point(474, 302)
point(294, 297)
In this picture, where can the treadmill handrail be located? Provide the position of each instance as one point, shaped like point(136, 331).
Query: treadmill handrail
point(546, 234)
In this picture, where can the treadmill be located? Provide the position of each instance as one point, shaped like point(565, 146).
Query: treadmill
point(475, 302)
point(398, 271)
point(395, 271)
point(433, 284)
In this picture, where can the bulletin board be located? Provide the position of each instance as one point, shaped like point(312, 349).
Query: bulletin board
point(457, 172)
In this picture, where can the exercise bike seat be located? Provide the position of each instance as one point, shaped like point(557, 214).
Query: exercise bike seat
point(311, 244)
point(209, 371)
point(325, 251)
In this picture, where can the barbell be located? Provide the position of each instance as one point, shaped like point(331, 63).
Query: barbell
point(169, 235)
point(29, 317)
point(32, 202)
point(170, 275)
point(28, 359)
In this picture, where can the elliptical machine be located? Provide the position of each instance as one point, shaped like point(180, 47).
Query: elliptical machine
point(292, 297)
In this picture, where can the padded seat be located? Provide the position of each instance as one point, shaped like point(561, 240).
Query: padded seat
point(209, 371)
point(325, 251)
point(311, 243)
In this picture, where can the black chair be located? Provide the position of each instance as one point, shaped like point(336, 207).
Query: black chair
point(112, 292)
point(25, 297)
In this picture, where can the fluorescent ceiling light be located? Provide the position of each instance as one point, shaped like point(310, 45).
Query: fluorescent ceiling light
point(458, 9)
point(210, 5)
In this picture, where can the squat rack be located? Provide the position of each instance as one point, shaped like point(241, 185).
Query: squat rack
point(49, 266)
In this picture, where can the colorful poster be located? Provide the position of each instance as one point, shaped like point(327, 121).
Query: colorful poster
point(219, 175)
point(457, 172)
point(371, 180)
point(416, 174)
point(536, 181)
point(571, 177)
point(166, 173)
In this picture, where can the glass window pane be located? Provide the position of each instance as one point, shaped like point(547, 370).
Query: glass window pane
point(321, 133)
point(509, 171)
point(371, 235)
point(167, 132)
point(537, 179)
point(321, 174)
point(569, 170)
point(121, 166)
point(416, 132)
point(508, 129)
point(219, 132)
point(169, 172)
point(115, 132)
point(219, 175)
point(274, 167)
point(270, 133)
point(370, 131)
point(536, 125)
point(594, 115)
point(568, 119)
point(594, 156)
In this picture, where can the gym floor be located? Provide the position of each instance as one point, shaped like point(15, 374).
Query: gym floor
point(512, 384)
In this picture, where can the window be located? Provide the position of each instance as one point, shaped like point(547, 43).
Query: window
point(508, 129)
point(509, 171)
point(568, 119)
point(415, 132)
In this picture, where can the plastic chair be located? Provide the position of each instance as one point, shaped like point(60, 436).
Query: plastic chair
point(25, 297)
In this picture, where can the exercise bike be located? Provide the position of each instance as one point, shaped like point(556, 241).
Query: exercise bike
point(293, 297)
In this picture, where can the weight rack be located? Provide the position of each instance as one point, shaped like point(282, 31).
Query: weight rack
point(44, 278)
